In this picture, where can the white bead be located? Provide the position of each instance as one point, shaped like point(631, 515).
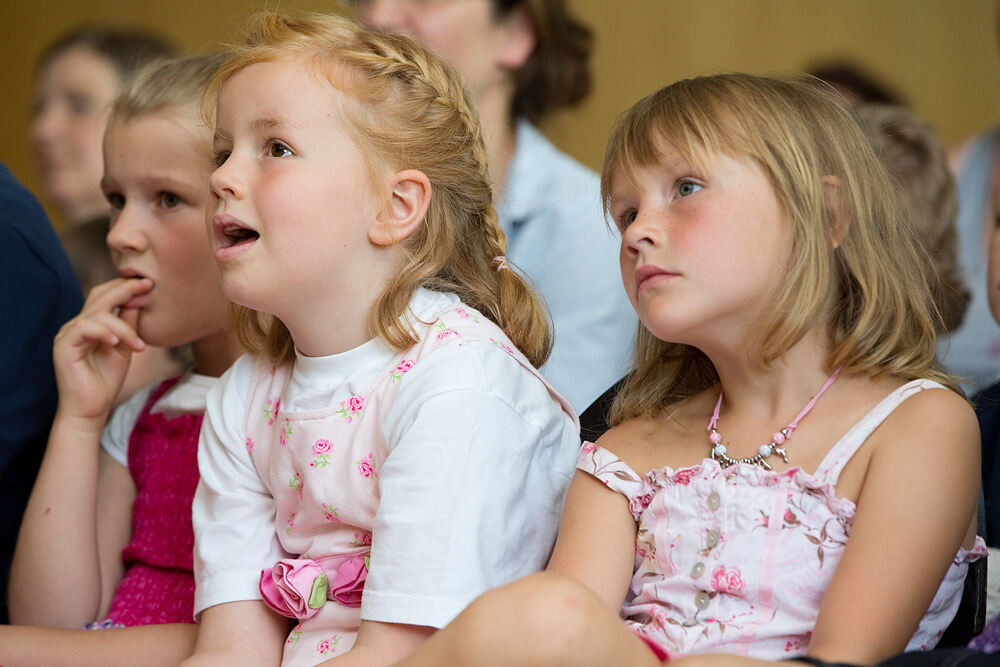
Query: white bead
point(719, 450)
point(765, 450)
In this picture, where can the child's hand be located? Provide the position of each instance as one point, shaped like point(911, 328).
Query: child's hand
point(92, 351)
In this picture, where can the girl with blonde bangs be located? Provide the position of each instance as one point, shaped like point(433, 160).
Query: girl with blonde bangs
point(344, 463)
point(852, 288)
point(107, 539)
point(783, 300)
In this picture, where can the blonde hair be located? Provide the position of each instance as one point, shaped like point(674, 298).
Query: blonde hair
point(165, 83)
point(407, 110)
point(912, 153)
point(870, 292)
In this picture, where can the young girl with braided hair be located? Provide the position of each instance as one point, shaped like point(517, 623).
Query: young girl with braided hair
point(389, 451)
point(790, 473)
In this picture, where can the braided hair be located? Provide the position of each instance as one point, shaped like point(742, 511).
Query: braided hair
point(407, 110)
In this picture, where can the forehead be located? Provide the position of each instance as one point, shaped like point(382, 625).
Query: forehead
point(175, 136)
point(80, 67)
point(284, 89)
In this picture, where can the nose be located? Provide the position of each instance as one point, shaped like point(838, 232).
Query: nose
point(389, 15)
point(125, 234)
point(45, 124)
point(224, 182)
point(642, 232)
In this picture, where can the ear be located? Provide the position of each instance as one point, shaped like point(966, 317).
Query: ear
point(834, 201)
point(517, 40)
point(409, 197)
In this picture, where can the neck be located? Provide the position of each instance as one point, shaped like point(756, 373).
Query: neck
point(215, 353)
point(774, 394)
point(330, 319)
point(499, 134)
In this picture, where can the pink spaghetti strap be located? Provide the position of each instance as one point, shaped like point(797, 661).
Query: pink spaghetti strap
point(833, 463)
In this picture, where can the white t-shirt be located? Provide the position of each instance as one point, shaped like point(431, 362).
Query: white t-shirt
point(184, 398)
point(438, 546)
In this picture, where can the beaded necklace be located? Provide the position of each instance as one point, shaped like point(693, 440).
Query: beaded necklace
point(765, 451)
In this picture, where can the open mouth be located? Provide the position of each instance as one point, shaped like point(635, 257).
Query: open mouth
point(234, 235)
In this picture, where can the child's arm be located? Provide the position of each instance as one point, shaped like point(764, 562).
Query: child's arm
point(148, 645)
point(915, 509)
point(58, 572)
point(596, 543)
point(239, 634)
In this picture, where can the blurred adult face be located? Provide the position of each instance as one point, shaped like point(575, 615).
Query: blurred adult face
point(485, 49)
point(74, 95)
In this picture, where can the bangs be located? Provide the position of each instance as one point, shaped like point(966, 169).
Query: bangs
point(693, 120)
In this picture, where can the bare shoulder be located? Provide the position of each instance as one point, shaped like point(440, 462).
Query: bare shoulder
point(935, 418)
point(673, 438)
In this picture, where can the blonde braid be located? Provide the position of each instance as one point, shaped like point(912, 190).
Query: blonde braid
point(409, 110)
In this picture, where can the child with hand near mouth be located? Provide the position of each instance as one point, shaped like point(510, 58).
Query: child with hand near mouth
point(107, 538)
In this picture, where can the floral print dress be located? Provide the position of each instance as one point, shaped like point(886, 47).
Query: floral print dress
point(322, 469)
point(737, 560)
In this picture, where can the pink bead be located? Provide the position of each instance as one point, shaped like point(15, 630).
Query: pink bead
point(778, 438)
point(715, 437)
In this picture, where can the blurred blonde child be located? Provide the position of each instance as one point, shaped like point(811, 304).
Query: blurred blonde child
point(107, 534)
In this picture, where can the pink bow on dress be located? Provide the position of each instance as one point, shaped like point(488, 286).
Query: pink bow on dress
point(299, 587)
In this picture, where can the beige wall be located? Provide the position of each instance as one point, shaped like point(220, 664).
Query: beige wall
point(940, 54)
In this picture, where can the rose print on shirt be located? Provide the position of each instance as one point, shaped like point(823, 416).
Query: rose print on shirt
point(296, 483)
point(328, 646)
point(727, 581)
point(503, 346)
point(271, 409)
point(366, 466)
point(290, 526)
point(249, 445)
point(361, 540)
point(286, 432)
point(465, 315)
point(330, 513)
point(444, 331)
point(402, 369)
point(350, 407)
point(321, 448)
point(683, 477)
point(296, 635)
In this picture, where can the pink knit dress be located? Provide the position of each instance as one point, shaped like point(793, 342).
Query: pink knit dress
point(158, 586)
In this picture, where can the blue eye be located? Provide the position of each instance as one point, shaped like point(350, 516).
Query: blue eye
point(685, 188)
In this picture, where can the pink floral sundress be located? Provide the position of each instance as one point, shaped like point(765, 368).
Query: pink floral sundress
point(322, 468)
point(737, 560)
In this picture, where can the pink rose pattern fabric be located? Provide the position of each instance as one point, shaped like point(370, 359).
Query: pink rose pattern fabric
point(322, 468)
point(738, 559)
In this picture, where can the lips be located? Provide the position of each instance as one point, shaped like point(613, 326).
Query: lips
point(132, 274)
point(648, 275)
point(231, 232)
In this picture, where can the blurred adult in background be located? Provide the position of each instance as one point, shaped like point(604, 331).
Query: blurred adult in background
point(973, 351)
point(521, 60)
point(855, 83)
point(40, 293)
point(78, 77)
